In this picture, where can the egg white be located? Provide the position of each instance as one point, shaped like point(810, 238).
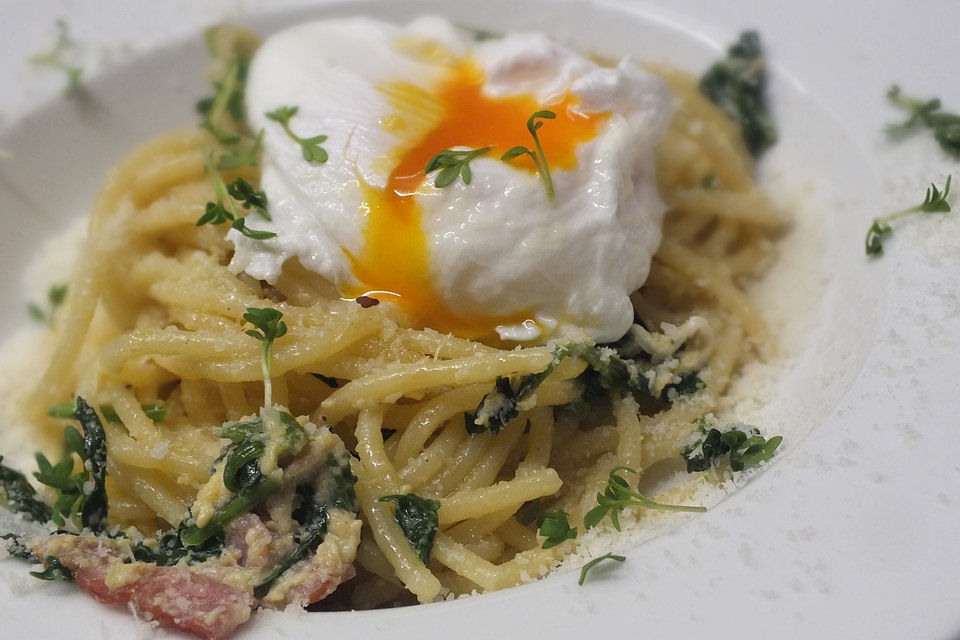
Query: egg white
point(498, 246)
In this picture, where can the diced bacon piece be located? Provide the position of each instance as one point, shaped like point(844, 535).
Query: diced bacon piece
point(174, 596)
point(93, 581)
point(89, 559)
point(326, 587)
point(191, 602)
point(239, 533)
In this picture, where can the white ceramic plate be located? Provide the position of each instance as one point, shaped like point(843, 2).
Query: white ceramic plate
point(851, 533)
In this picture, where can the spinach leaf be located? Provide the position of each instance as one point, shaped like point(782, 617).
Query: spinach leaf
point(744, 444)
point(313, 519)
point(736, 84)
point(242, 471)
point(169, 549)
point(94, 512)
point(418, 519)
point(82, 497)
point(17, 494)
point(256, 491)
point(335, 482)
point(17, 548)
point(608, 369)
point(332, 488)
point(690, 383)
point(502, 405)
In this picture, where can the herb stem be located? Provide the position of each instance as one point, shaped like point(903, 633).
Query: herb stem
point(935, 201)
point(271, 327)
point(219, 187)
point(286, 127)
point(221, 102)
point(54, 59)
point(924, 206)
point(539, 159)
point(590, 565)
point(265, 356)
point(543, 169)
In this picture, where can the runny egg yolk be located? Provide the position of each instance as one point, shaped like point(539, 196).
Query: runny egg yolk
point(395, 262)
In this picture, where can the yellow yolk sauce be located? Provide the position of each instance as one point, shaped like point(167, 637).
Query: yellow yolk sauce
point(395, 263)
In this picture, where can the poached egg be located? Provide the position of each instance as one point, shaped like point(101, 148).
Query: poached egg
point(495, 259)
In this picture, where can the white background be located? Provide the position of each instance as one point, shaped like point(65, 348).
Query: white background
point(856, 533)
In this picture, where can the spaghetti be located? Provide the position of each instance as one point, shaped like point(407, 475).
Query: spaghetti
point(153, 315)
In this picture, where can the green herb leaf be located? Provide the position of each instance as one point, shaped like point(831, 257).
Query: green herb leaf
point(480, 35)
point(240, 225)
point(64, 410)
point(56, 294)
point(737, 84)
point(54, 59)
point(271, 327)
point(515, 152)
point(155, 411)
point(215, 213)
point(248, 197)
point(418, 519)
point(225, 209)
point(534, 513)
point(268, 321)
point(53, 570)
point(935, 201)
point(223, 114)
point(533, 125)
point(241, 153)
point(452, 164)
point(928, 113)
point(556, 528)
point(618, 495)
point(590, 565)
point(310, 148)
point(35, 312)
